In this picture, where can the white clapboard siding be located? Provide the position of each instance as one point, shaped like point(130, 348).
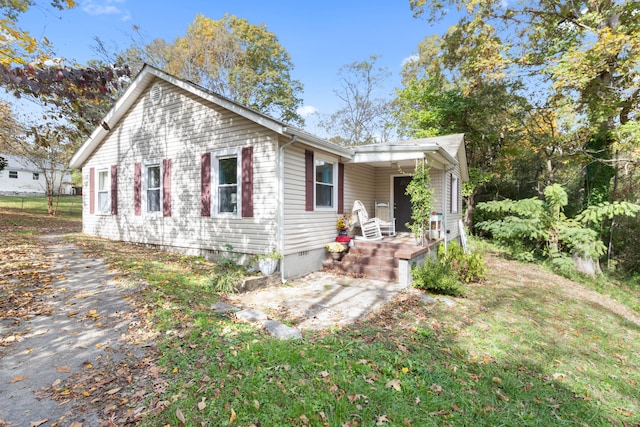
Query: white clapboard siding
point(359, 184)
point(436, 177)
point(453, 217)
point(183, 127)
point(304, 230)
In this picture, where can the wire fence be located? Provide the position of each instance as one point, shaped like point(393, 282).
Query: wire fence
point(66, 205)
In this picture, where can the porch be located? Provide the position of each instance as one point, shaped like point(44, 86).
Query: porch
point(388, 259)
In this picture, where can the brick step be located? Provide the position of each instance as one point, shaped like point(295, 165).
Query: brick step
point(370, 271)
point(376, 260)
point(373, 251)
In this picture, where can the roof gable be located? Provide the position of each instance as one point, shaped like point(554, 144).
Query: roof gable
point(141, 82)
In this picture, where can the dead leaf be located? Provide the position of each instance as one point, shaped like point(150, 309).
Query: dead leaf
point(75, 424)
point(38, 423)
point(92, 314)
point(114, 390)
point(63, 369)
point(395, 384)
point(324, 374)
point(233, 417)
point(202, 404)
point(180, 416)
point(502, 396)
point(381, 420)
point(18, 378)
point(497, 380)
point(436, 388)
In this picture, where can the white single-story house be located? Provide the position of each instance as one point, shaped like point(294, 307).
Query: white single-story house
point(22, 176)
point(180, 167)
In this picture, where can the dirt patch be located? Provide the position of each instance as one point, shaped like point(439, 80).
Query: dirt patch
point(320, 300)
point(532, 276)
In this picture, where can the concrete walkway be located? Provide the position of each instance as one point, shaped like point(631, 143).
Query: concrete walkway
point(87, 316)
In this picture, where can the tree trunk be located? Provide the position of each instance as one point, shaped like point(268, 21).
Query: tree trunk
point(597, 180)
point(468, 213)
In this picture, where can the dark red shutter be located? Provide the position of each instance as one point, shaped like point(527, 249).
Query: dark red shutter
point(166, 187)
point(308, 180)
point(92, 190)
point(340, 188)
point(247, 182)
point(137, 188)
point(114, 190)
point(205, 184)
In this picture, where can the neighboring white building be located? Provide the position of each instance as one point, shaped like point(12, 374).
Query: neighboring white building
point(22, 177)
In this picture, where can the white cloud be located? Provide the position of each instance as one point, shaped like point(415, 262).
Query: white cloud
point(105, 7)
point(307, 110)
point(409, 59)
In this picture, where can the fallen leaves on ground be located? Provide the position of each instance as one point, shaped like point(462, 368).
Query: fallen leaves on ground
point(121, 392)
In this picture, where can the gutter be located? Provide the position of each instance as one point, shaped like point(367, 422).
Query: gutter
point(320, 143)
point(280, 243)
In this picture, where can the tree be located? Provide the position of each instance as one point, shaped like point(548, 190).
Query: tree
point(9, 127)
point(584, 53)
point(230, 56)
point(48, 148)
point(438, 100)
point(365, 117)
point(539, 227)
point(16, 45)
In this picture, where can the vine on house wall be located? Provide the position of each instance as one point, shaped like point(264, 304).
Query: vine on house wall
point(421, 193)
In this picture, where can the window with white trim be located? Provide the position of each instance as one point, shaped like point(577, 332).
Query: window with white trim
point(13, 174)
point(325, 187)
point(153, 187)
point(226, 177)
point(454, 193)
point(103, 193)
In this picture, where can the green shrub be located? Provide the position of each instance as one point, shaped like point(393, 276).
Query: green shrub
point(436, 276)
point(468, 266)
point(228, 273)
point(564, 265)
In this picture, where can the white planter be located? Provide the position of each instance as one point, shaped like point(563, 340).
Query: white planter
point(267, 266)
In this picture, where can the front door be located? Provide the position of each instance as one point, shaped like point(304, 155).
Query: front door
point(401, 202)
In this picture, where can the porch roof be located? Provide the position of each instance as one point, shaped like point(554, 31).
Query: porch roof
point(445, 150)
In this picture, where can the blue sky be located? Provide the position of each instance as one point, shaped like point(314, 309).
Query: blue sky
point(320, 36)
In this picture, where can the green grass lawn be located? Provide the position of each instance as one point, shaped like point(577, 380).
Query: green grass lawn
point(526, 348)
point(68, 206)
